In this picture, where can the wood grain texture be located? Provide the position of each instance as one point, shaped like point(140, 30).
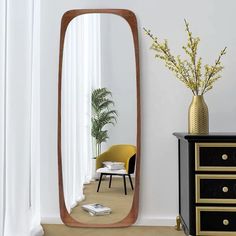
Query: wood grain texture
point(130, 17)
point(62, 230)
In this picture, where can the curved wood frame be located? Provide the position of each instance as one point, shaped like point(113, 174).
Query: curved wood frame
point(133, 214)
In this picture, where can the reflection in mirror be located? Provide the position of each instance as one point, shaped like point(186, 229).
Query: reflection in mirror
point(99, 118)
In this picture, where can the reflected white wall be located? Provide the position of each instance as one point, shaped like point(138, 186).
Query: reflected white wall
point(119, 76)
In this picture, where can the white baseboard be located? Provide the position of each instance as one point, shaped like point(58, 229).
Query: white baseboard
point(51, 220)
point(155, 221)
point(141, 221)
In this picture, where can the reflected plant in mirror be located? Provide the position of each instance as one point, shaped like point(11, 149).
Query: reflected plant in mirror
point(99, 115)
point(102, 115)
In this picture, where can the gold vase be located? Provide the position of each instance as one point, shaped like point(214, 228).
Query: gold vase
point(198, 118)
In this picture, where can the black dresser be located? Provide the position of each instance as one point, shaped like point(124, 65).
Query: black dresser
point(207, 183)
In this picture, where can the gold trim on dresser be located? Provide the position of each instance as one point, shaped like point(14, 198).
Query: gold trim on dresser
point(225, 222)
point(225, 189)
point(178, 223)
point(224, 156)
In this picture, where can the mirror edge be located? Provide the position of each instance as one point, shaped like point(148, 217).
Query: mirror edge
point(131, 218)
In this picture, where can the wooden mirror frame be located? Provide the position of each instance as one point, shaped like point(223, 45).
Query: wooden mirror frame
point(130, 17)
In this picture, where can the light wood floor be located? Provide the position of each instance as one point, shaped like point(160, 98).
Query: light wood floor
point(61, 230)
point(108, 197)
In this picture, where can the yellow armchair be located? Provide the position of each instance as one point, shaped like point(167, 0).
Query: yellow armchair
point(125, 153)
point(119, 153)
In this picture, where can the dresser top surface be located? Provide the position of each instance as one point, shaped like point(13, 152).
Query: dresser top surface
point(210, 136)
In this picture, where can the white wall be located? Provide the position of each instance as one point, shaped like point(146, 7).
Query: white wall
point(164, 99)
point(118, 74)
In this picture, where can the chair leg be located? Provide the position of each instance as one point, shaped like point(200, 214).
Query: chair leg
point(100, 179)
point(130, 180)
point(110, 181)
point(125, 184)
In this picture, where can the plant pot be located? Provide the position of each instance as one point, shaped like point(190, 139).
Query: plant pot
point(198, 118)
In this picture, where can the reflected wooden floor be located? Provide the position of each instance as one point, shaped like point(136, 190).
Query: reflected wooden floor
point(113, 197)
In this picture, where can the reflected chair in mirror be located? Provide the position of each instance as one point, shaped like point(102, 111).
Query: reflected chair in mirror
point(117, 155)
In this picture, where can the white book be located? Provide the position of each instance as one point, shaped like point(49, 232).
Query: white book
point(96, 209)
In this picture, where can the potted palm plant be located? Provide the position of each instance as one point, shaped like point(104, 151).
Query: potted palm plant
point(102, 115)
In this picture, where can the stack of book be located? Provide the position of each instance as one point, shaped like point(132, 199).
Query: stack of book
point(113, 165)
point(96, 209)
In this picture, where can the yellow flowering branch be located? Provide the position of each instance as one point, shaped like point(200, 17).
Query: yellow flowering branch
point(189, 72)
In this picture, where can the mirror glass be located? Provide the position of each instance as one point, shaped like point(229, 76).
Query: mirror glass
point(98, 118)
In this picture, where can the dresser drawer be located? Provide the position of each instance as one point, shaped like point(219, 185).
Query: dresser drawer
point(215, 189)
point(215, 156)
point(215, 220)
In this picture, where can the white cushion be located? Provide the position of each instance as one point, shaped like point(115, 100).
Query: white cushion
point(109, 171)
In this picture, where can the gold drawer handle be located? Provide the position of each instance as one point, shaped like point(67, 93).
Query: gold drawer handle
point(225, 222)
point(225, 189)
point(224, 157)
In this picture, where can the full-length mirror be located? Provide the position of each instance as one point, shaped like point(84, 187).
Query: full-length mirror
point(99, 118)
